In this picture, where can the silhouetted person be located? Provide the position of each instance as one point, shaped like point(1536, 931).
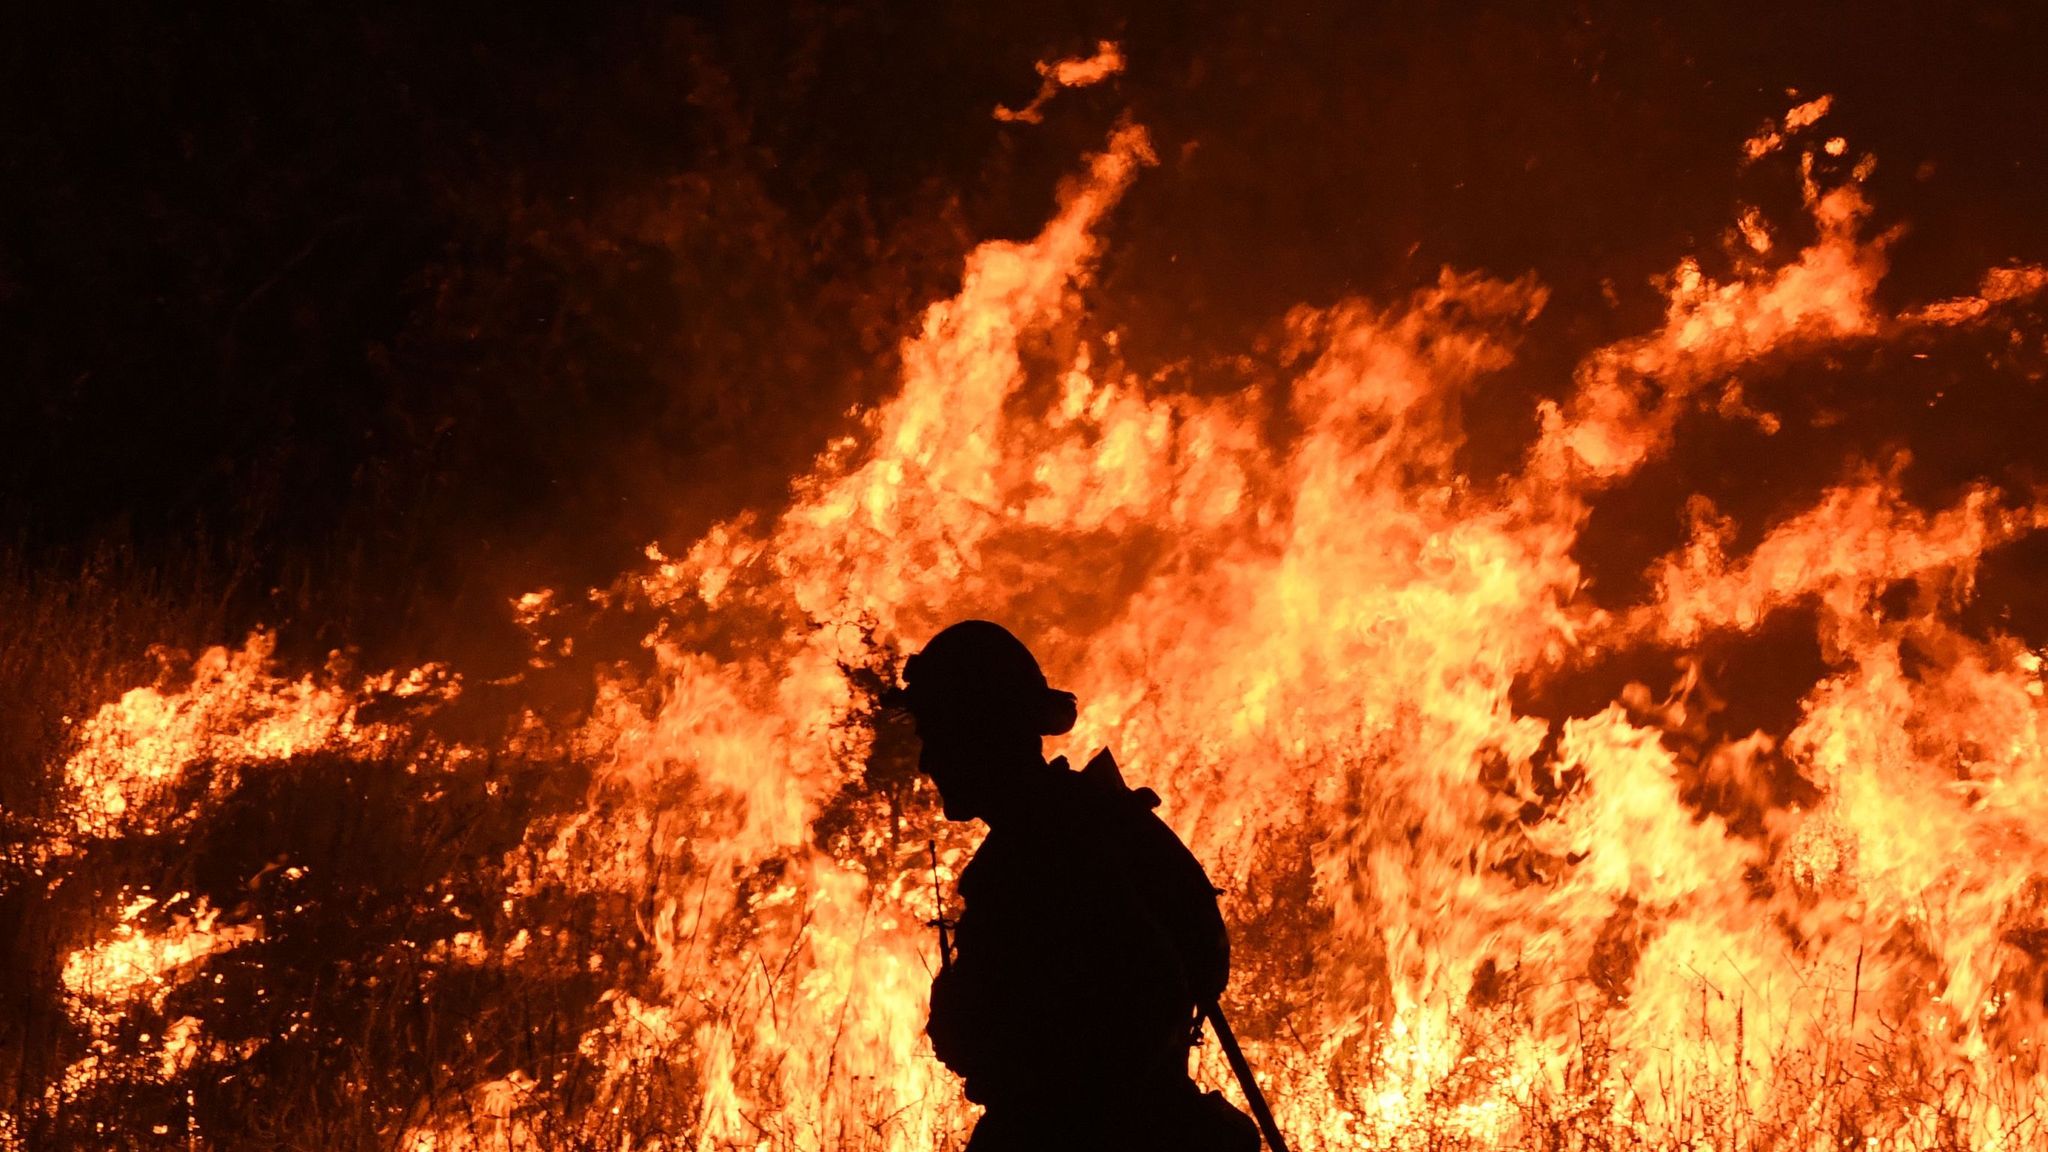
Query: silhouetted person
point(1090, 932)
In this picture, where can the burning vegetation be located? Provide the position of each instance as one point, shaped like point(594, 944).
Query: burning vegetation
point(1742, 847)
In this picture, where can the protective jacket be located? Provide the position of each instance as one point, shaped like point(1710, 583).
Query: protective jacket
point(1090, 933)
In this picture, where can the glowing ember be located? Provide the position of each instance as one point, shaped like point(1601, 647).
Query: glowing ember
point(134, 963)
point(1074, 72)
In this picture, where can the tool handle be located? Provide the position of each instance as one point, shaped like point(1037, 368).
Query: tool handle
point(1268, 1127)
point(939, 910)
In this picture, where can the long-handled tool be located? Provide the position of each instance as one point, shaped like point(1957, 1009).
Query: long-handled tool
point(939, 910)
point(1268, 1127)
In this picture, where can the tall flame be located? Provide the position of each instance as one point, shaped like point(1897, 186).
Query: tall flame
point(1462, 920)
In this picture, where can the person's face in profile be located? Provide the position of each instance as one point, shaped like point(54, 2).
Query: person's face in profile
point(955, 758)
point(968, 755)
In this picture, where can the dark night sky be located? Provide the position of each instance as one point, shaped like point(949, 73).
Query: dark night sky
point(412, 309)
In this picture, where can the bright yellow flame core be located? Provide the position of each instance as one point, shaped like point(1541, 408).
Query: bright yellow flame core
point(1502, 924)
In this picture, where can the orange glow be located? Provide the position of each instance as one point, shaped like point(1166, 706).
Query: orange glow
point(1072, 72)
point(236, 712)
point(1459, 923)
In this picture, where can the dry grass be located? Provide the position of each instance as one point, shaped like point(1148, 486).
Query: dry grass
point(355, 1017)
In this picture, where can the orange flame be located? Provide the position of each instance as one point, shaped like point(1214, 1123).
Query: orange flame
point(1460, 923)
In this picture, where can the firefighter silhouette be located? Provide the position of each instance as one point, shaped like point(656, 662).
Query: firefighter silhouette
point(1090, 933)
